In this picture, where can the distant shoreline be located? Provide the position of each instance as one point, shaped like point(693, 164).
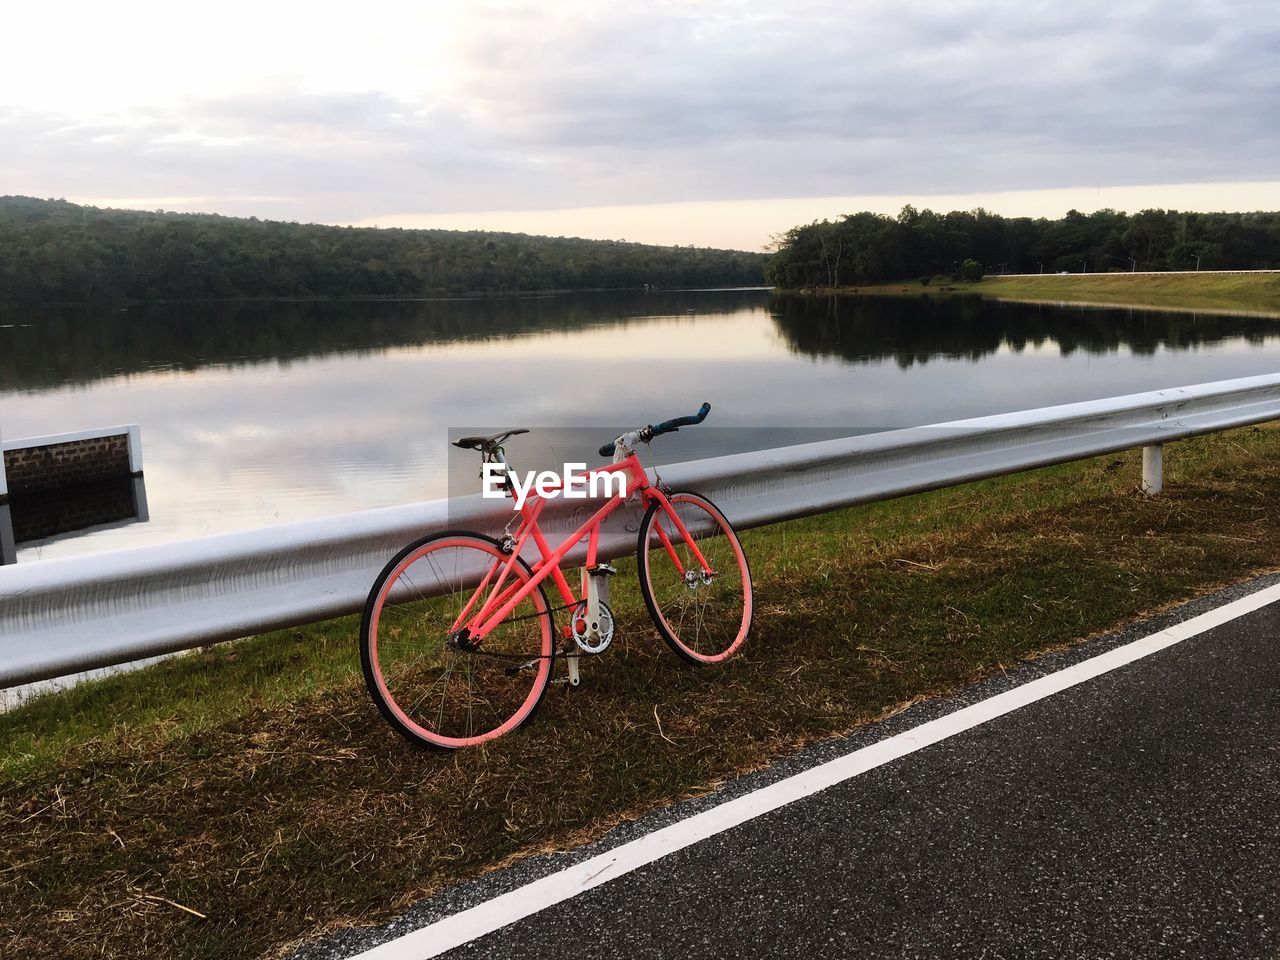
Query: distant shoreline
point(1250, 294)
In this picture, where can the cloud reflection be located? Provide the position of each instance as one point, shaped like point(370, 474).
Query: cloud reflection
point(241, 444)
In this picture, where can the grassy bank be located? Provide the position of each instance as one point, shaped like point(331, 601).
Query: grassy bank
point(1253, 293)
point(229, 802)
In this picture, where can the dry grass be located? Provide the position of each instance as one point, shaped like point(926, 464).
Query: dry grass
point(190, 820)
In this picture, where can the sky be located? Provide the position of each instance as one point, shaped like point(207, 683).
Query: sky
point(707, 122)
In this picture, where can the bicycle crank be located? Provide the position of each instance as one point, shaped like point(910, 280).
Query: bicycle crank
point(591, 635)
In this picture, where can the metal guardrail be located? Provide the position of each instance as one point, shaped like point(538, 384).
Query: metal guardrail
point(59, 617)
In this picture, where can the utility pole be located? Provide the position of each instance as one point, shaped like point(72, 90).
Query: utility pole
point(1084, 266)
point(1198, 263)
point(1133, 267)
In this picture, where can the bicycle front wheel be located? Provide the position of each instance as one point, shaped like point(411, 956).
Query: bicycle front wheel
point(434, 688)
point(702, 611)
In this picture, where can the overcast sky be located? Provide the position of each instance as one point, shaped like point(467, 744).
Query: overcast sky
point(680, 121)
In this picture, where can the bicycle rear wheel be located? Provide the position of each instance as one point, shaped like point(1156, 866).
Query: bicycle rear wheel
point(703, 614)
point(438, 689)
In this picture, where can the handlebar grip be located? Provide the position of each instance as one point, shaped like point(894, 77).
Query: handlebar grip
point(667, 426)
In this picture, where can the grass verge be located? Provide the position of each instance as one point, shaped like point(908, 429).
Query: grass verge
point(227, 803)
point(1233, 293)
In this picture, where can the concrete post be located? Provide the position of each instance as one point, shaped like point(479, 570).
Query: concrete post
point(8, 548)
point(4, 480)
point(140, 508)
point(135, 449)
point(1152, 469)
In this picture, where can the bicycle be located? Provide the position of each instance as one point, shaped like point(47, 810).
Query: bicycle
point(458, 642)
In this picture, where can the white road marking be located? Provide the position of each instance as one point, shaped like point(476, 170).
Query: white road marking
point(484, 918)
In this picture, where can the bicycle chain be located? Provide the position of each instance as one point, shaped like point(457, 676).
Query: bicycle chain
point(526, 657)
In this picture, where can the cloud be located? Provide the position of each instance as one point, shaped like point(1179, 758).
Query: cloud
point(588, 104)
point(892, 97)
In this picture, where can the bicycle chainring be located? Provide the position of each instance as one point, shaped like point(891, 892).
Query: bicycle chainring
point(582, 633)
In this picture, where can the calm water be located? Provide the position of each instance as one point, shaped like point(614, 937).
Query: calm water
point(257, 414)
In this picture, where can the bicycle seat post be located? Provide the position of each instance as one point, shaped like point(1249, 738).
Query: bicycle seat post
point(497, 454)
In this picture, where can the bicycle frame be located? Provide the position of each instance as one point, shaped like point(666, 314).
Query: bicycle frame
point(502, 600)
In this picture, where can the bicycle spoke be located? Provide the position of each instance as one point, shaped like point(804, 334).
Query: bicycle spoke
point(695, 583)
point(434, 688)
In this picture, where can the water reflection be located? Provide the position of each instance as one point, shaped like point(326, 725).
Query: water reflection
point(47, 516)
point(917, 330)
point(263, 413)
point(77, 346)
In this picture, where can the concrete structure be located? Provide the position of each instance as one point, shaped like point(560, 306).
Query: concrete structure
point(61, 480)
point(68, 459)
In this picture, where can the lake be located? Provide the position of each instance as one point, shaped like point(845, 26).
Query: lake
point(254, 414)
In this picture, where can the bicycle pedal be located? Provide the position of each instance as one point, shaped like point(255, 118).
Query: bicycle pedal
point(602, 570)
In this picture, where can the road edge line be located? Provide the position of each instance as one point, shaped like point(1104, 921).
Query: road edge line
point(494, 914)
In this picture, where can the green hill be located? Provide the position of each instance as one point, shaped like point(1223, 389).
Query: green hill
point(52, 251)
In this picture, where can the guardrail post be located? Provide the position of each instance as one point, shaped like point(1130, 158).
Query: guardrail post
point(1153, 469)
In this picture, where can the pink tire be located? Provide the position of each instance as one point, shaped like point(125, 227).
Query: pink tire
point(704, 616)
point(434, 690)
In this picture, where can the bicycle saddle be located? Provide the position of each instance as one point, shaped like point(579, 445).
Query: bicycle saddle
point(487, 443)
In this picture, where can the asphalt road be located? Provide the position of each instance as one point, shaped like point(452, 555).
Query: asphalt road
point(1134, 815)
point(1137, 815)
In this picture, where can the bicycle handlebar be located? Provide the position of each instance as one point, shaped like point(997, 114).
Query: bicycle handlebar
point(667, 426)
point(670, 426)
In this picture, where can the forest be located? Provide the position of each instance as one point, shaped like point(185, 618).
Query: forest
point(868, 247)
point(56, 252)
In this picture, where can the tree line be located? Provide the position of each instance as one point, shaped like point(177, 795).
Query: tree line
point(869, 247)
point(55, 252)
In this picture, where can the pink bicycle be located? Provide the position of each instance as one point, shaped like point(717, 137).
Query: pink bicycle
point(459, 643)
